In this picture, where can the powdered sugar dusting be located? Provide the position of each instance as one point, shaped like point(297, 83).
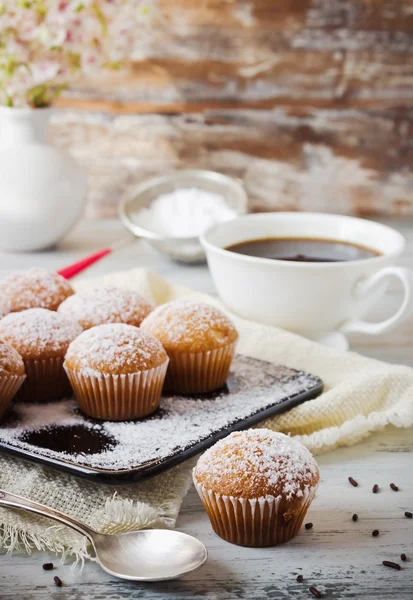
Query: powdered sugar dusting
point(266, 459)
point(106, 305)
point(114, 348)
point(38, 330)
point(182, 423)
point(5, 306)
point(184, 321)
point(35, 288)
point(11, 363)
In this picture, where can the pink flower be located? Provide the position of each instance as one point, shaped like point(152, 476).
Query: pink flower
point(46, 47)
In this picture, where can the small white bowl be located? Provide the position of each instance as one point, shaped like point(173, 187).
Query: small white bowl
point(183, 249)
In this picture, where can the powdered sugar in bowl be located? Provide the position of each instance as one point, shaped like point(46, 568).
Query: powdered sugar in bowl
point(172, 211)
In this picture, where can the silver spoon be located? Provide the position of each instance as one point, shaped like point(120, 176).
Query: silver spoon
point(144, 555)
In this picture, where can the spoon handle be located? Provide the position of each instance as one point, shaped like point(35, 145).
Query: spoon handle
point(79, 266)
point(8, 499)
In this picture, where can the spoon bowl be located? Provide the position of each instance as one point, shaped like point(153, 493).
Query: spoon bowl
point(149, 554)
point(143, 555)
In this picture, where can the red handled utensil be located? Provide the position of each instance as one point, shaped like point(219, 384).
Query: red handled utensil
point(82, 264)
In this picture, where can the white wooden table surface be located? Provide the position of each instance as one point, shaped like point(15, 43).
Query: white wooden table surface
point(338, 556)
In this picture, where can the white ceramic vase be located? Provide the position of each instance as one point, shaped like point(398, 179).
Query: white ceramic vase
point(42, 189)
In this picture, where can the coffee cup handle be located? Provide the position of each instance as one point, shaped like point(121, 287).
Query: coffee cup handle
point(367, 286)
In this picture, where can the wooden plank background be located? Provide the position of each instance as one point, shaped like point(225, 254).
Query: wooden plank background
point(309, 101)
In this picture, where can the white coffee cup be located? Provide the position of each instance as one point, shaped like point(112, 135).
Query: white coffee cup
point(314, 299)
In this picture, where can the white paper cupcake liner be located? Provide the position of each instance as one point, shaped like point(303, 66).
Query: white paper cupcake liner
point(258, 522)
point(9, 385)
point(197, 372)
point(119, 397)
point(46, 381)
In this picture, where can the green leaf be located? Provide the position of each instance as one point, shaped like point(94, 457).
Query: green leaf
point(101, 17)
point(74, 60)
point(42, 95)
point(38, 96)
point(114, 65)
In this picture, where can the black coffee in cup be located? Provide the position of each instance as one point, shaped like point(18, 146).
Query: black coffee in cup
point(303, 249)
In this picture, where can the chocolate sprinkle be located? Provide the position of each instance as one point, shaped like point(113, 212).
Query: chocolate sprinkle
point(300, 578)
point(308, 525)
point(394, 487)
point(47, 567)
point(355, 517)
point(353, 482)
point(403, 557)
point(315, 592)
point(58, 581)
point(392, 565)
point(408, 514)
point(375, 533)
point(375, 488)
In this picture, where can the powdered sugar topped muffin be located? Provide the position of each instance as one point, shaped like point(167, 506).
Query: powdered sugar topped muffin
point(38, 333)
point(35, 288)
point(12, 374)
point(106, 305)
point(115, 349)
point(256, 486)
point(117, 371)
point(11, 363)
point(41, 337)
point(185, 326)
point(200, 342)
point(258, 463)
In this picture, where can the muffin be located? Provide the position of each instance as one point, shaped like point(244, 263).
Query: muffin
point(200, 342)
point(35, 288)
point(106, 305)
point(12, 374)
point(41, 337)
point(117, 372)
point(256, 487)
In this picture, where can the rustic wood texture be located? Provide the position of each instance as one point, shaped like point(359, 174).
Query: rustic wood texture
point(339, 556)
point(310, 102)
point(344, 160)
point(262, 53)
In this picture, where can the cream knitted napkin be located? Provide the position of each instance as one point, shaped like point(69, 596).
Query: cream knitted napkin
point(361, 396)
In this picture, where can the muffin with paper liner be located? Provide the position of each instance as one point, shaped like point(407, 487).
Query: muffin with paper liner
point(41, 337)
point(12, 375)
point(200, 341)
point(117, 372)
point(256, 487)
point(34, 288)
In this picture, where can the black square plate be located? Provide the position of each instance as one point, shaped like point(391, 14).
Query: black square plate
point(59, 436)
